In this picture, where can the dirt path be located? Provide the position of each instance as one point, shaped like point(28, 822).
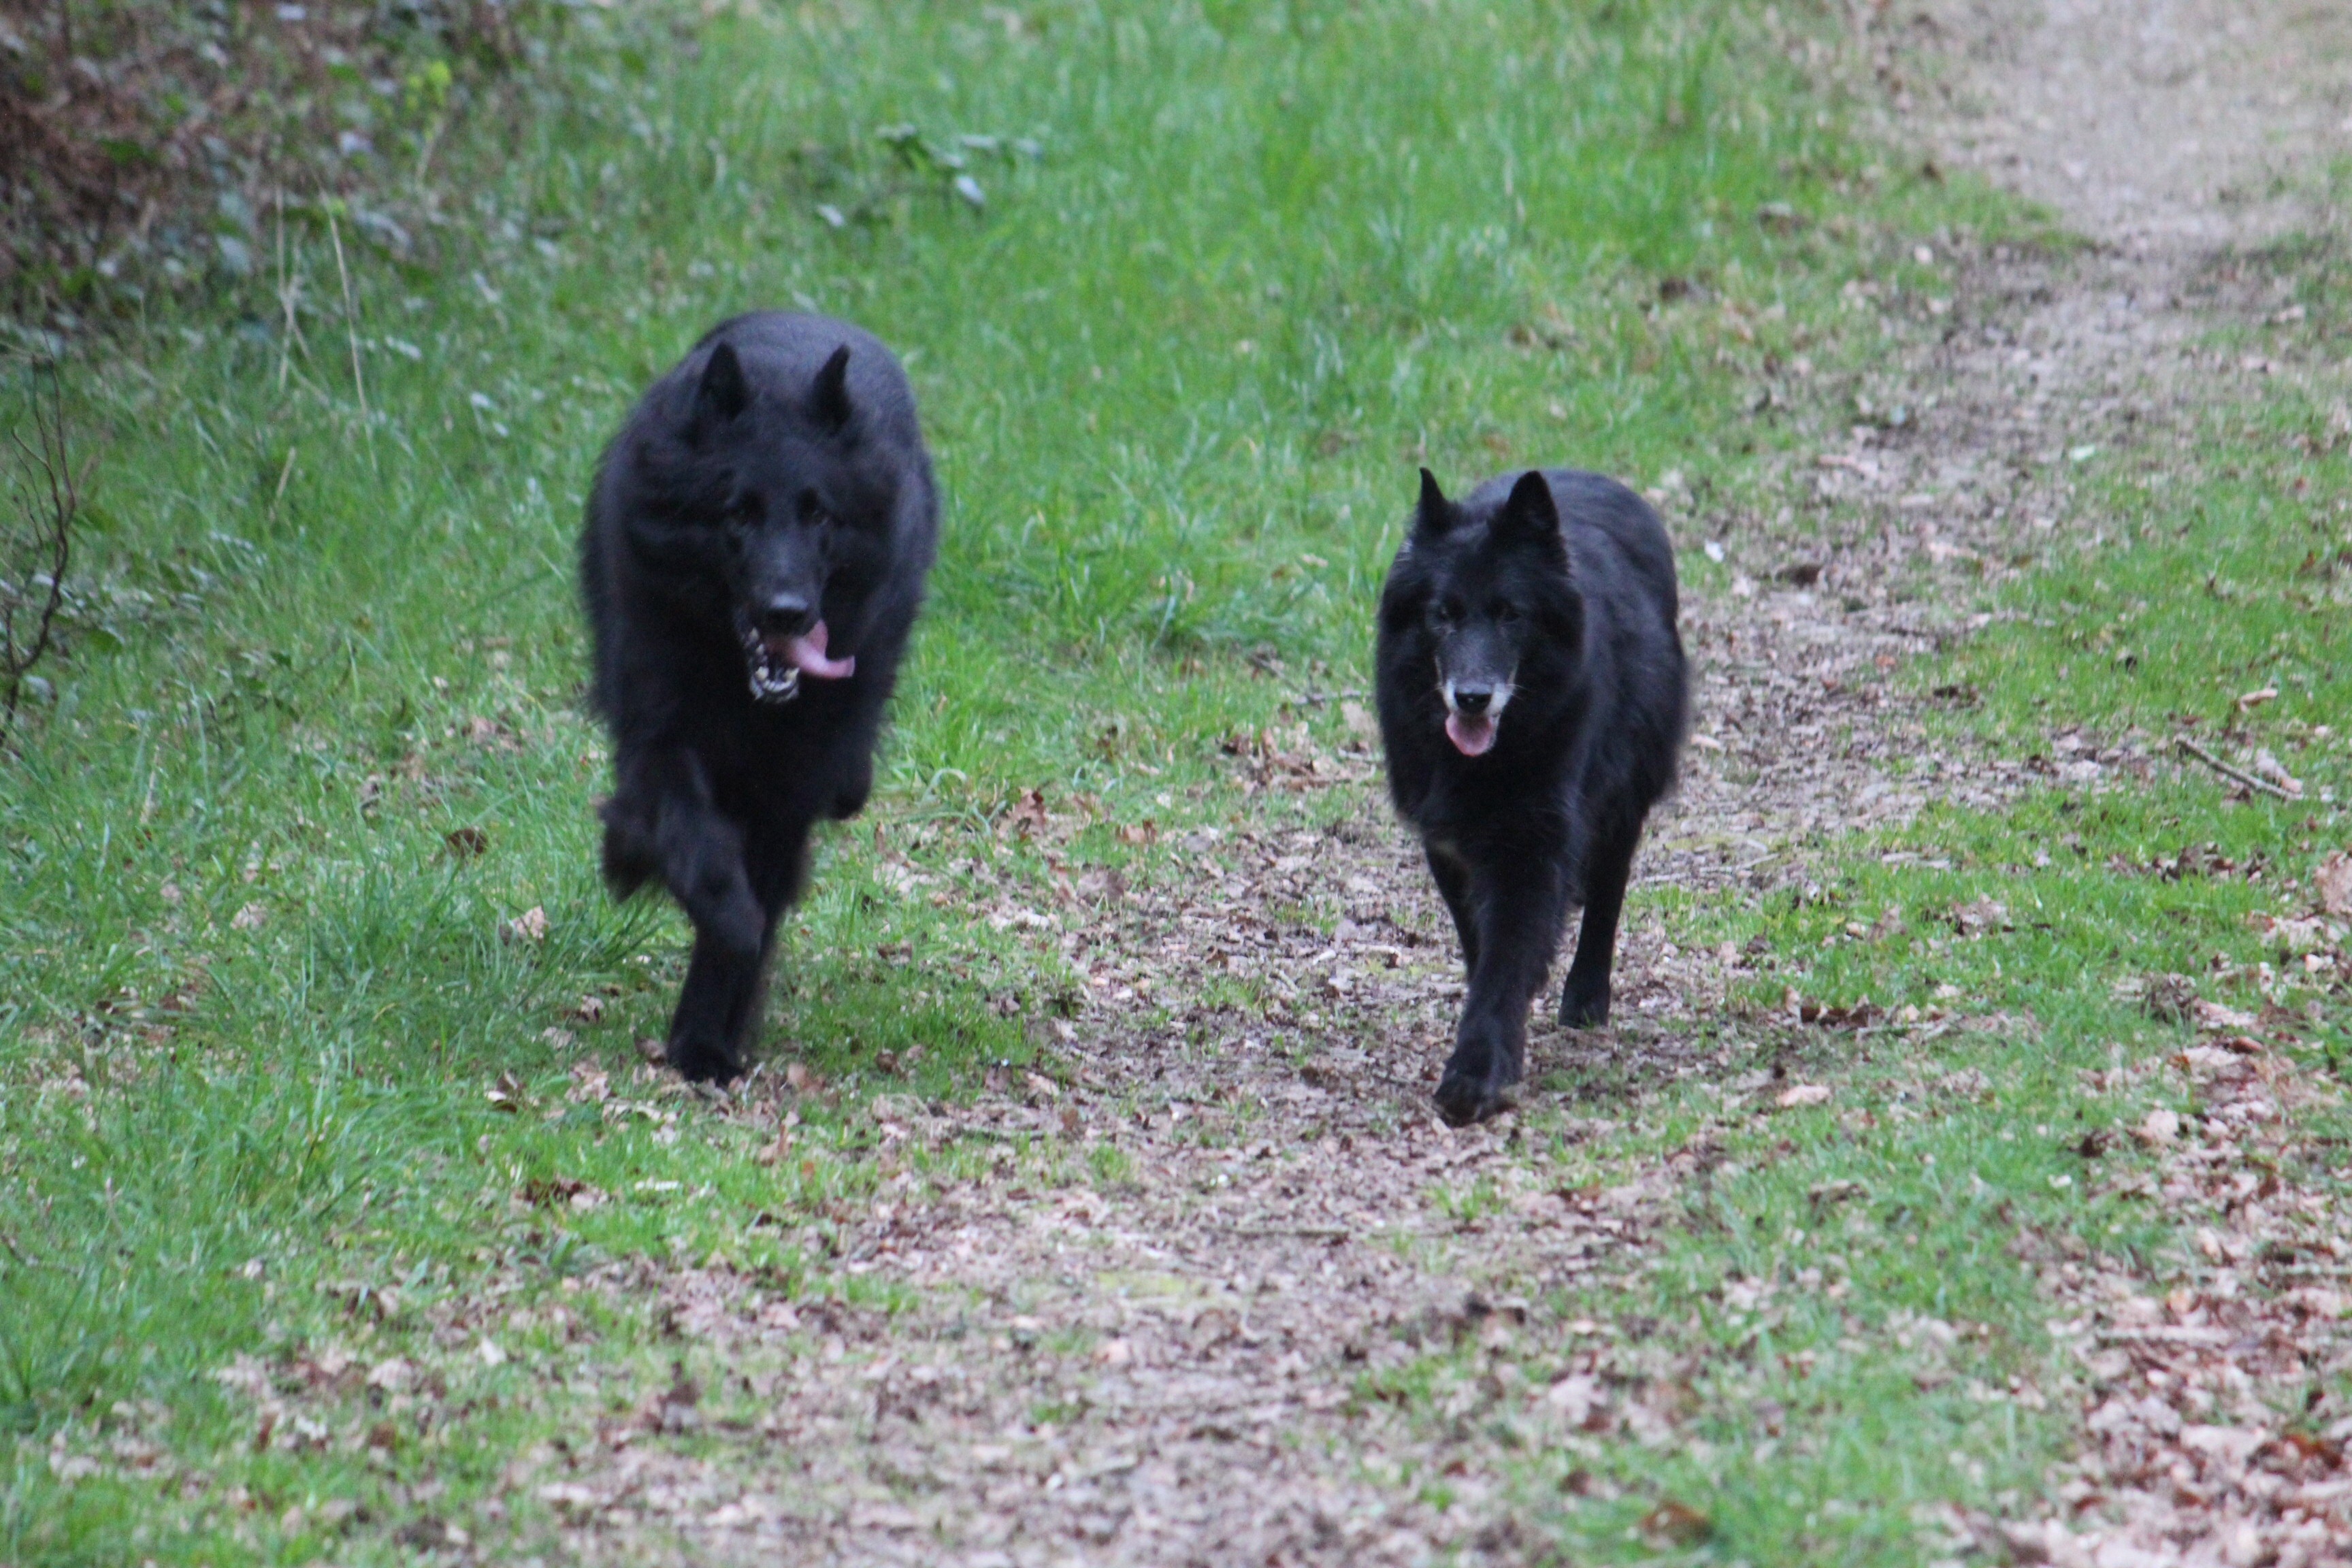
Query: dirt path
point(2168, 129)
point(1158, 1367)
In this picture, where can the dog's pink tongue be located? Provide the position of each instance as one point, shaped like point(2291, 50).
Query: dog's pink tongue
point(1471, 737)
point(805, 653)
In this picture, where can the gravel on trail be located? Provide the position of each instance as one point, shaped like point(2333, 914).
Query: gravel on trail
point(1163, 1367)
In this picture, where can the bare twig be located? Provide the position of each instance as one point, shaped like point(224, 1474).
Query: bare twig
point(2239, 776)
point(45, 499)
point(1302, 1232)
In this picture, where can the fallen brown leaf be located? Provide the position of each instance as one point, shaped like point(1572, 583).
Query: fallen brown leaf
point(529, 926)
point(1028, 816)
point(2214, 1018)
point(2333, 882)
point(1677, 1523)
point(1980, 915)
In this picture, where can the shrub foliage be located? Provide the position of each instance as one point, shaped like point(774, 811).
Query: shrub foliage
point(153, 145)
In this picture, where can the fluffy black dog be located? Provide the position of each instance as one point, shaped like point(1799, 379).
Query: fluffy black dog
point(752, 563)
point(1532, 700)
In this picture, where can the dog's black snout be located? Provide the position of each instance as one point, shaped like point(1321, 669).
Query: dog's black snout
point(785, 615)
point(1471, 703)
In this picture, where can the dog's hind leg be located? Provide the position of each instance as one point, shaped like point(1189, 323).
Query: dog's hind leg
point(1518, 910)
point(1584, 998)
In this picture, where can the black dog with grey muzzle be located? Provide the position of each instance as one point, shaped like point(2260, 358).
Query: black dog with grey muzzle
point(1532, 700)
point(754, 557)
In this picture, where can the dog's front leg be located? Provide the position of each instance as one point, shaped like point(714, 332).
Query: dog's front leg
point(857, 787)
point(713, 1006)
point(852, 753)
point(1518, 908)
point(720, 1001)
point(1584, 998)
point(1453, 881)
point(667, 811)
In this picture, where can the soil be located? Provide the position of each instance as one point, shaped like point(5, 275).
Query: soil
point(1162, 1365)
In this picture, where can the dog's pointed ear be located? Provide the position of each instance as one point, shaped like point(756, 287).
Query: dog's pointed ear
point(723, 393)
point(829, 394)
point(1531, 516)
point(1434, 514)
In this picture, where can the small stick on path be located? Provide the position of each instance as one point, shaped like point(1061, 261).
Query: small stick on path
point(2226, 770)
point(1302, 1232)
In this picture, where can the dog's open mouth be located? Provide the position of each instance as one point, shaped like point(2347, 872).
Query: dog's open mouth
point(775, 665)
point(1472, 737)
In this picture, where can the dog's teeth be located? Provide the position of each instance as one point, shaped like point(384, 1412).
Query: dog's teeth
point(771, 686)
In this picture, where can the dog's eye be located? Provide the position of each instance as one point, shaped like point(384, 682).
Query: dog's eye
point(1444, 613)
point(1508, 614)
point(744, 510)
point(813, 510)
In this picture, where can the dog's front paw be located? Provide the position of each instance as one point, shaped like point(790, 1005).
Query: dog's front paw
point(1584, 1006)
point(1479, 1082)
point(1463, 1100)
point(704, 1061)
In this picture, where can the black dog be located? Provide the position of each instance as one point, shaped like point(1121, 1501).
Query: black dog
point(1532, 700)
point(753, 565)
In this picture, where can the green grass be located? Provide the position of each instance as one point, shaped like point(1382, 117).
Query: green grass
point(2202, 596)
point(1238, 271)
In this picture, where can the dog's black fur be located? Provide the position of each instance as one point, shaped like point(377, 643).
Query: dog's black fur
point(1532, 703)
point(753, 565)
